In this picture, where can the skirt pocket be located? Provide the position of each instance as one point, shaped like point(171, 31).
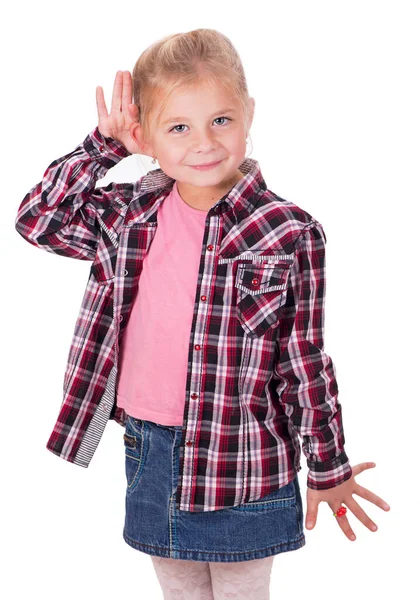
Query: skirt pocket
point(136, 442)
point(281, 498)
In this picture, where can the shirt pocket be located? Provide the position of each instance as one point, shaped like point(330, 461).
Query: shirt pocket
point(261, 291)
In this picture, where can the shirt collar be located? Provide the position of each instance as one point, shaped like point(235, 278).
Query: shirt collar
point(242, 198)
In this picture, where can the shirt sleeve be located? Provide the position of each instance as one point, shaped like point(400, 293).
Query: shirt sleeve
point(307, 387)
point(61, 213)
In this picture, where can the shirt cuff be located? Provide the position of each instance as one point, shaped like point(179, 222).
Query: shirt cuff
point(105, 150)
point(329, 474)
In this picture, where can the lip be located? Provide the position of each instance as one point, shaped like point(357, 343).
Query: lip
point(206, 166)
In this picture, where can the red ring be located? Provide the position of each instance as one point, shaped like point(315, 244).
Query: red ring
point(340, 512)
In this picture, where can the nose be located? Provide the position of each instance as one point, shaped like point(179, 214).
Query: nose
point(203, 142)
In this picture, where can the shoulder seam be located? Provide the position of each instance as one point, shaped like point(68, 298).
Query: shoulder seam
point(302, 232)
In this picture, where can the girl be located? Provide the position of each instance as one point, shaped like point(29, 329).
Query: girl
point(201, 328)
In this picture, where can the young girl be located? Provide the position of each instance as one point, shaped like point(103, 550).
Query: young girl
point(201, 328)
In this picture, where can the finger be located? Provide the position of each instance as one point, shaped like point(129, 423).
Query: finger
point(358, 511)
point(134, 111)
point(356, 469)
point(368, 495)
point(343, 523)
point(100, 103)
point(311, 515)
point(117, 93)
point(127, 91)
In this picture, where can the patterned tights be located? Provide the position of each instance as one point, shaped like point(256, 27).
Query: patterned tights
point(195, 580)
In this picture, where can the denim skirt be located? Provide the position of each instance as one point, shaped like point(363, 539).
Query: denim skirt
point(155, 526)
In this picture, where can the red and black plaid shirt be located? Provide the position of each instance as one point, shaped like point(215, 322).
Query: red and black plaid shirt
point(258, 376)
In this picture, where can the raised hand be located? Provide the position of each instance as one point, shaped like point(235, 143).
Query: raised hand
point(342, 494)
point(123, 113)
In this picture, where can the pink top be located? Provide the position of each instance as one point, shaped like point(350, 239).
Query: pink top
point(153, 357)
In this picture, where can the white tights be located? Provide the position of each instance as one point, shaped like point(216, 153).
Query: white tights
point(195, 580)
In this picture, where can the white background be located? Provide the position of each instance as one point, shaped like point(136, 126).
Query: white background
point(336, 131)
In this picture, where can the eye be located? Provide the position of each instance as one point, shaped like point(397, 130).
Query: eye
point(216, 119)
point(226, 118)
point(176, 127)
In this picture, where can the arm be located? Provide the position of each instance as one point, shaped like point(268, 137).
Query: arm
point(308, 388)
point(60, 213)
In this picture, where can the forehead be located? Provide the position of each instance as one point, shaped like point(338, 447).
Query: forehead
point(199, 101)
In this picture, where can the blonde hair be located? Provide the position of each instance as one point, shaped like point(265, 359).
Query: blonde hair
point(183, 60)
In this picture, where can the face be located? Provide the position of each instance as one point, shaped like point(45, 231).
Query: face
point(197, 126)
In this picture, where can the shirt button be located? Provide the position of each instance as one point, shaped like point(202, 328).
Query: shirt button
point(101, 147)
point(121, 317)
point(203, 298)
point(194, 396)
point(255, 282)
point(197, 347)
point(124, 272)
point(210, 247)
point(188, 443)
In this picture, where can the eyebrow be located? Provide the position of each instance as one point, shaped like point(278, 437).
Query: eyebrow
point(173, 119)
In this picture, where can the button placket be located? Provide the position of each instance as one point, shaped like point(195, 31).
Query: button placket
point(195, 381)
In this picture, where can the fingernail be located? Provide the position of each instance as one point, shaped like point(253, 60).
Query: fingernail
point(310, 524)
point(386, 506)
point(374, 528)
point(352, 537)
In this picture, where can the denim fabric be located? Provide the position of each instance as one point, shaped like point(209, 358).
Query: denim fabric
point(154, 525)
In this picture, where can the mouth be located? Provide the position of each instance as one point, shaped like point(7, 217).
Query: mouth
point(205, 166)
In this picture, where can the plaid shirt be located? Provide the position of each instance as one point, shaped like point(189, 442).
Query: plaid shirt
point(258, 376)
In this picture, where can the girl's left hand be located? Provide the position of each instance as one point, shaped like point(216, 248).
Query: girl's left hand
point(342, 494)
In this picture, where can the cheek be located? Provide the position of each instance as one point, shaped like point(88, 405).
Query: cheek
point(239, 139)
point(238, 145)
point(170, 152)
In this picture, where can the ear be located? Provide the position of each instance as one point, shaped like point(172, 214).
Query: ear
point(136, 132)
point(251, 108)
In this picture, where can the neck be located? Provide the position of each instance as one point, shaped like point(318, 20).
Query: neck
point(205, 198)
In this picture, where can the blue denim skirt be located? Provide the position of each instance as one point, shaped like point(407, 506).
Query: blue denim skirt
point(155, 526)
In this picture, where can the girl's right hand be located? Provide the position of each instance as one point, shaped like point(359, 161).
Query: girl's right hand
point(123, 112)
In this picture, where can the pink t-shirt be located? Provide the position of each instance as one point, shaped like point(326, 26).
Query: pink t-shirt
point(153, 358)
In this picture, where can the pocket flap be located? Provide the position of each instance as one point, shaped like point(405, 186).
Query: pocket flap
point(130, 440)
point(257, 279)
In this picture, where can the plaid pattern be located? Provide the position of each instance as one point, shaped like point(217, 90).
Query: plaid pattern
point(258, 376)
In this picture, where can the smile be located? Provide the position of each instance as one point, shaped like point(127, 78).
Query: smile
point(206, 166)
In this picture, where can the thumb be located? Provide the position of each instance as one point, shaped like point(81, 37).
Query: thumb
point(311, 515)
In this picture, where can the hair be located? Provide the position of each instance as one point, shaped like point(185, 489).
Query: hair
point(184, 60)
